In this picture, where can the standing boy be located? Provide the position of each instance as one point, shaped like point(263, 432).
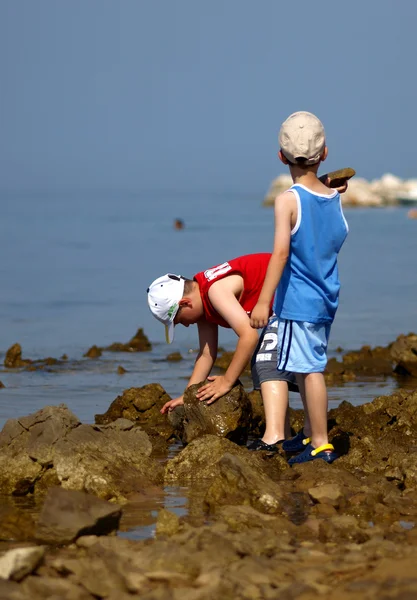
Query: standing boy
point(224, 296)
point(310, 229)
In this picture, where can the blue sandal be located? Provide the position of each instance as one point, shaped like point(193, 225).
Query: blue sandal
point(325, 452)
point(297, 443)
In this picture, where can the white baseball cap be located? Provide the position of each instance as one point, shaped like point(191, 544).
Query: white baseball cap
point(302, 136)
point(164, 295)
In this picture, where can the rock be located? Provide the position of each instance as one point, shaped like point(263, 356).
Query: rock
point(404, 353)
point(19, 562)
point(13, 359)
point(121, 370)
point(27, 447)
point(229, 416)
point(199, 460)
point(167, 523)
point(328, 493)
point(110, 461)
point(51, 447)
point(93, 352)
point(223, 362)
point(2, 385)
point(39, 588)
point(412, 213)
point(68, 514)
point(257, 426)
point(138, 343)
point(143, 406)
point(15, 524)
point(238, 483)
point(174, 357)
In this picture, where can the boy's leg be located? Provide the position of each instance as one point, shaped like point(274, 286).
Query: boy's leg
point(316, 403)
point(301, 386)
point(275, 401)
point(273, 384)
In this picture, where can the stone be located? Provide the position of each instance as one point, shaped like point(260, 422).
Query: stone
point(404, 353)
point(13, 358)
point(138, 343)
point(67, 514)
point(167, 523)
point(229, 416)
point(93, 352)
point(238, 483)
point(328, 493)
point(19, 562)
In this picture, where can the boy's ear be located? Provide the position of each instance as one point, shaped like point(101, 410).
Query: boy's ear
point(185, 302)
point(282, 158)
point(324, 154)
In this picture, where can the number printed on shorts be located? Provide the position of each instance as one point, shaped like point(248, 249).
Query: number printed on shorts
point(211, 274)
point(269, 342)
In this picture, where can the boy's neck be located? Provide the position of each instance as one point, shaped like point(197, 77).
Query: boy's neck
point(306, 176)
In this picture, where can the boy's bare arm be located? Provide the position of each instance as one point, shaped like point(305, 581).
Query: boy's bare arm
point(285, 211)
point(208, 342)
point(224, 298)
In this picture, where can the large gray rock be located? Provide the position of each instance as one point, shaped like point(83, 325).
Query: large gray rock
point(228, 417)
point(51, 447)
point(68, 514)
point(27, 447)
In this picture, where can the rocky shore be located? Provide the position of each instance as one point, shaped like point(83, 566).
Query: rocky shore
point(380, 192)
point(255, 528)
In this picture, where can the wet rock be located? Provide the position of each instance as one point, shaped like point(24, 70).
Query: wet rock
point(2, 385)
point(404, 353)
point(142, 406)
point(68, 514)
point(238, 483)
point(19, 562)
point(174, 357)
point(199, 460)
point(121, 370)
point(342, 527)
point(229, 416)
point(138, 343)
point(93, 352)
point(167, 523)
point(257, 426)
point(13, 359)
point(16, 524)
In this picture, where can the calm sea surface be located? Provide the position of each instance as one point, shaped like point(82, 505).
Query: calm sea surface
point(74, 272)
point(75, 268)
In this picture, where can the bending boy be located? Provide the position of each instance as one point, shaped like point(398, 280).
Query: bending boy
point(224, 296)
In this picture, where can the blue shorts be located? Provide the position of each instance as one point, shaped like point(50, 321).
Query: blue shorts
point(302, 346)
point(264, 359)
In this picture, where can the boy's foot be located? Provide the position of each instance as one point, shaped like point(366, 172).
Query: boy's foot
point(325, 452)
point(261, 445)
point(297, 443)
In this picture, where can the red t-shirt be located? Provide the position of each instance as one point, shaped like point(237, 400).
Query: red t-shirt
point(252, 267)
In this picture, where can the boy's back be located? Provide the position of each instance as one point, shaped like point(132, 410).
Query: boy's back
point(309, 286)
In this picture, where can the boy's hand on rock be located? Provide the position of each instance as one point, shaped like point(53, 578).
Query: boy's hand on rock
point(211, 392)
point(259, 316)
point(172, 404)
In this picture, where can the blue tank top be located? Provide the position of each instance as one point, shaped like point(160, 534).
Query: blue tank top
point(309, 286)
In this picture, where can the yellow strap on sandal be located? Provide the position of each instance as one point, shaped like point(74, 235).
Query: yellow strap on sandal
point(306, 441)
point(322, 448)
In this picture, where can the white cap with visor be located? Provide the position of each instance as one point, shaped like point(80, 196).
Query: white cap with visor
point(164, 295)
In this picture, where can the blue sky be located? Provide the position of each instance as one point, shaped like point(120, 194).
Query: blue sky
point(183, 94)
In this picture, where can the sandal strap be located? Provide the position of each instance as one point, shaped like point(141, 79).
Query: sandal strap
point(306, 441)
point(322, 449)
